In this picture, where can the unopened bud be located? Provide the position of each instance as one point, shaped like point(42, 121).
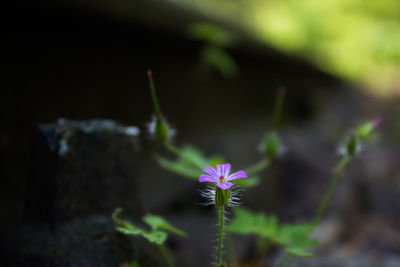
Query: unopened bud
point(222, 196)
point(364, 130)
point(352, 146)
point(161, 131)
point(272, 145)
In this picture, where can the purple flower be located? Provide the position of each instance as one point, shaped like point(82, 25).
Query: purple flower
point(220, 175)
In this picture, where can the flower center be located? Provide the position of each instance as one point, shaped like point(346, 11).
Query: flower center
point(221, 178)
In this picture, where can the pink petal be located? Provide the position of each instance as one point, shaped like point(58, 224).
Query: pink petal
point(223, 169)
point(211, 171)
point(206, 178)
point(225, 185)
point(236, 175)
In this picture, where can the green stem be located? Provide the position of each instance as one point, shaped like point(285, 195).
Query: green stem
point(288, 259)
point(259, 166)
point(220, 237)
point(165, 255)
point(328, 194)
point(179, 153)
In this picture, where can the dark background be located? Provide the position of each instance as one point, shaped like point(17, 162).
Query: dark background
point(76, 62)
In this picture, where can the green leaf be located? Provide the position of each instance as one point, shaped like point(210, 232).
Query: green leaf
point(299, 252)
point(220, 60)
point(155, 236)
point(247, 222)
point(179, 167)
point(211, 33)
point(293, 237)
point(129, 231)
point(157, 222)
point(190, 164)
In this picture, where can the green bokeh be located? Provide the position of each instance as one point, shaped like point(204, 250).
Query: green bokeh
point(356, 40)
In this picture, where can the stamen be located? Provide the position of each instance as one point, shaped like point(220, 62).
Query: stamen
point(221, 178)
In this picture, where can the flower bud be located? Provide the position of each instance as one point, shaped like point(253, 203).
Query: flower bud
point(272, 145)
point(161, 130)
point(352, 145)
point(222, 196)
point(364, 130)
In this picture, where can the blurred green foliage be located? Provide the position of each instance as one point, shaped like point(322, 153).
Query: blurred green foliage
point(192, 161)
point(293, 237)
point(211, 34)
point(355, 39)
point(213, 54)
point(158, 225)
point(134, 264)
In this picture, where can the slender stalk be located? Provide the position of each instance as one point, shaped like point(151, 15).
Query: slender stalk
point(328, 194)
point(157, 109)
point(288, 259)
point(220, 236)
point(173, 149)
point(259, 166)
point(165, 255)
point(179, 153)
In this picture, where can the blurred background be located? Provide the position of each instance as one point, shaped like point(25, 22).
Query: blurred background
point(217, 66)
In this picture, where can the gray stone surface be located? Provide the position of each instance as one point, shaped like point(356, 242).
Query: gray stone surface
point(81, 171)
point(82, 168)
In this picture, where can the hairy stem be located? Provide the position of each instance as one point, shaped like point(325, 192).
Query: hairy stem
point(165, 255)
point(220, 236)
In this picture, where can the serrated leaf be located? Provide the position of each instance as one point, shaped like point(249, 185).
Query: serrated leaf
point(179, 167)
point(155, 236)
point(128, 231)
point(193, 154)
point(248, 222)
point(293, 237)
point(294, 233)
point(190, 164)
point(158, 222)
point(301, 252)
